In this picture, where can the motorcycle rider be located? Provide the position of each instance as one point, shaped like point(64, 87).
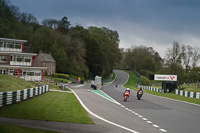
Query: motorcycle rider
point(116, 85)
point(140, 89)
point(127, 90)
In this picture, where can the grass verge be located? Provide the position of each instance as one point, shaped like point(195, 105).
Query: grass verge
point(4, 128)
point(174, 96)
point(133, 79)
point(51, 106)
point(12, 83)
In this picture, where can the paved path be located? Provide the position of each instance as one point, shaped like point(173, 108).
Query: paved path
point(54, 126)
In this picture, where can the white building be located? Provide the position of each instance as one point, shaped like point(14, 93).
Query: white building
point(13, 61)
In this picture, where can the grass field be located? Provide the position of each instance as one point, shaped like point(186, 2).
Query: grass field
point(191, 87)
point(133, 79)
point(51, 106)
point(4, 128)
point(12, 83)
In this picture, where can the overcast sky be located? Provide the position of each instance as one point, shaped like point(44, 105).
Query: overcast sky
point(152, 23)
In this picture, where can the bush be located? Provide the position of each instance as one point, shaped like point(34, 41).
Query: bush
point(146, 73)
point(60, 75)
point(76, 77)
point(145, 81)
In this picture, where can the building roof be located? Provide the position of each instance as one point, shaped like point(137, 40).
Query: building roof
point(13, 40)
point(48, 57)
point(23, 67)
point(18, 53)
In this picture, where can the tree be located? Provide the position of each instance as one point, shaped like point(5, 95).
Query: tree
point(76, 63)
point(51, 23)
point(174, 53)
point(148, 64)
point(63, 25)
point(59, 54)
point(27, 18)
point(196, 57)
point(108, 46)
point(8, 23)
point(187, 53)
point(42, 39)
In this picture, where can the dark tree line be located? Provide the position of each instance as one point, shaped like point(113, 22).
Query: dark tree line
point(181, 60)
point(78, 51)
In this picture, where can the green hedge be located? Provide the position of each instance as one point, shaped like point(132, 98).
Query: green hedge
point(76, 77)
point(60, 75)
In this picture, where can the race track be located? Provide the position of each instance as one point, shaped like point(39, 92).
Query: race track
point(151, 114)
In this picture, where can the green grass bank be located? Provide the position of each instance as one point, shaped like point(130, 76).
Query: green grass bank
point(51, 106)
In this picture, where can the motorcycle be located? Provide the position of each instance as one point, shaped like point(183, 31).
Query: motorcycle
point(139, 94)
point(126, 96)
point(116, 85)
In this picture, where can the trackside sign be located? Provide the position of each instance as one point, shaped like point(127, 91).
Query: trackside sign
point(165, 77)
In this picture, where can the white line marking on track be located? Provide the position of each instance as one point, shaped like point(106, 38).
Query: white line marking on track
point(144, 119)
point(155, 125)
point(101, 118)
point(163, 130)
point(149, 122)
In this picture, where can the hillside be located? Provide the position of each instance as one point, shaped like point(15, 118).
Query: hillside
point(12, 83)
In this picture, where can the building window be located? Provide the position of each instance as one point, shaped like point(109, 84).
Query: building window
point(12, 45)
point(27, 59)
point(13, 72)
point(2, 71)
point(38, 73)
point(1, 44)
point(3, 59)
point(18, 45)
point(31, 72)
point(21, 58)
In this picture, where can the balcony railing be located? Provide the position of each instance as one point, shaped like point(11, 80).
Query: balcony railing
point(20, 63)
point(26, 49)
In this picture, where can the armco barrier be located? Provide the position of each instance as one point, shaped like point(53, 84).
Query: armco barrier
point(187, 93)
point(150, 88)
point(11, 97)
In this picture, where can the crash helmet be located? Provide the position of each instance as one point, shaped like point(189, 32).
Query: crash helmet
point(127, 89)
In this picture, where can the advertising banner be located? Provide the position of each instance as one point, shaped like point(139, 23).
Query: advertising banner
point(165, 77)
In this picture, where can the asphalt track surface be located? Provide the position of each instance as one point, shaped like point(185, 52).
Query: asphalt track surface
point(151, 114)
point(170, 115)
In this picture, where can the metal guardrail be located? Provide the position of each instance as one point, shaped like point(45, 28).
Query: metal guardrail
point(11, 97)
point(187, 94)
point(150, 88)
